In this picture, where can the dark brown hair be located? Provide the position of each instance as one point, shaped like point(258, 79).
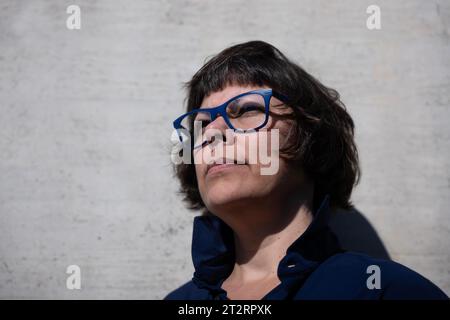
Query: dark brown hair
point(324, 144)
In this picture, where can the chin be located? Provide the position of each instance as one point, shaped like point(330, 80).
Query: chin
point(221, 199)
point(225, 200)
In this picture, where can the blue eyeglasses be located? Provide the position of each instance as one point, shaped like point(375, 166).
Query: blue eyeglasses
point(245, 112)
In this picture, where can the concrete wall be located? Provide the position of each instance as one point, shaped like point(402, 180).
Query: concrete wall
point(85, 124)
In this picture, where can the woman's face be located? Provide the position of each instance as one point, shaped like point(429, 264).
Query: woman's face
point(234, 186)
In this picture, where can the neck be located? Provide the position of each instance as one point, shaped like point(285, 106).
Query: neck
point(262, 235)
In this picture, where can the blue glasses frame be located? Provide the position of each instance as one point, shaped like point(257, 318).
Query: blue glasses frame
point(221, 110)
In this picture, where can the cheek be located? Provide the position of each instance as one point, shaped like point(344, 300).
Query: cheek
point(199, 169)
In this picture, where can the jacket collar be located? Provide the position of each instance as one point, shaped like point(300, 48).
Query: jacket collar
point(213, 251)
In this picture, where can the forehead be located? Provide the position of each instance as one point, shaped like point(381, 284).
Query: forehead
point(219, 97)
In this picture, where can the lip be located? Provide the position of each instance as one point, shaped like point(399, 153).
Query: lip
point(216, 167)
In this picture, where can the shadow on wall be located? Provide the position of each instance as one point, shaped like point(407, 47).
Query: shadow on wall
point(355, 233)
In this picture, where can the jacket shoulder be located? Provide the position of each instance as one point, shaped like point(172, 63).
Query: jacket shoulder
point(352, 275)
point(181, 292)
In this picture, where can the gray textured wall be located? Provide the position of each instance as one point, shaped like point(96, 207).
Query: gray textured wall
point(85, 123)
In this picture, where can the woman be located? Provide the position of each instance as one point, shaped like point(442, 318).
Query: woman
point(265, 236)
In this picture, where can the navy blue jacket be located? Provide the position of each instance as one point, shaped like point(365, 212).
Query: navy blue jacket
point(314, 267)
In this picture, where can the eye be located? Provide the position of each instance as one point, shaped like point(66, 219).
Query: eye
point(203, 118)
point(205, 123)
point(252, 107)
point(246, 110)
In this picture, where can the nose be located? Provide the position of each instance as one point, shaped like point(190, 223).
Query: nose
point(217, 125)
